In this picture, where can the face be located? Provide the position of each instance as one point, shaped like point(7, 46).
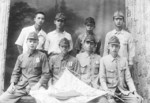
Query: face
point(114, 49)
point(90, 27)
point(32, 44)
point(89, 46)
point(64, 49)
point(39, 19)
point(118, 22)
point(59, 23)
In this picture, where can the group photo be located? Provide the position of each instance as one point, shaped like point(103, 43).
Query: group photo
point(74, 51)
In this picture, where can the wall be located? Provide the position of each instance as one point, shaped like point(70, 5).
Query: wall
point(138, 23)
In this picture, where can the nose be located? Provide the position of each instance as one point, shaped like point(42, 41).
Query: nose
point(114, 48)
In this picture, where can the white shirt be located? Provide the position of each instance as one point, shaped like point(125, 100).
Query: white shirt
point(53, 39)
point(24, 34)
point(127, 45)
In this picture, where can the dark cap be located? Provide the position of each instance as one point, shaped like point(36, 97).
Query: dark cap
point(60, 16)
point(89, 20)
point(114, 40)
point(90, 38)
point(64, 42)
point(33, 35)
point(118, 14)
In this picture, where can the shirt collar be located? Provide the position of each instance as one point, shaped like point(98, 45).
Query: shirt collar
point(31, 54)
point(87, 33)
point(112, 58)
point(35, 30)
point(59, 33)
point(118, 32)
point(85, 54)
point(63, 58)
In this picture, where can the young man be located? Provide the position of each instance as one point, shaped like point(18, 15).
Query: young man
point(37, 27)
point(54, 37)
point(127, 46)
point(115, 75)
point(89, 25)
point(90, 63)
point(63, 60)
point(30, 72)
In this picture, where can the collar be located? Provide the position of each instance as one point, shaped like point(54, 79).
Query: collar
point(59, 32)
point(85, 54)
point(112, 58)
point(118, 32)
point(91, 33)
point(28, 53)
point(63, 57)
point(35, 29)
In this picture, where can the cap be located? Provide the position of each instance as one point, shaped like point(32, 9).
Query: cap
point(89, 20)
point(118, 14)
point(33, 35)
point(64, 42)
point(90, 38)
point(60, 16)
point(114, 40)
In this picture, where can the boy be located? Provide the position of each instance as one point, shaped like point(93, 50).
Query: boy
point(115, 76)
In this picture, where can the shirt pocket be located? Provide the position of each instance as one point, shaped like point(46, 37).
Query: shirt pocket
point(37, 65)
point(110, 73)
point(37, 69)
point(24, 65)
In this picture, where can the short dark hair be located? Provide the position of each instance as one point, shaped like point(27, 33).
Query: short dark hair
point(40, 12)
point(89, 20)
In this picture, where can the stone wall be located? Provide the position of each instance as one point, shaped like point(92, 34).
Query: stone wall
point(138, 23)
point(4, 14)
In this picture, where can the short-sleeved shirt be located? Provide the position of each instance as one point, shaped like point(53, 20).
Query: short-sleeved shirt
point(127, 45)
point(90, 65)
point(53, 39)
point(30, 69)
point(80, 41)
point(23, 38)
point(58, 64)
